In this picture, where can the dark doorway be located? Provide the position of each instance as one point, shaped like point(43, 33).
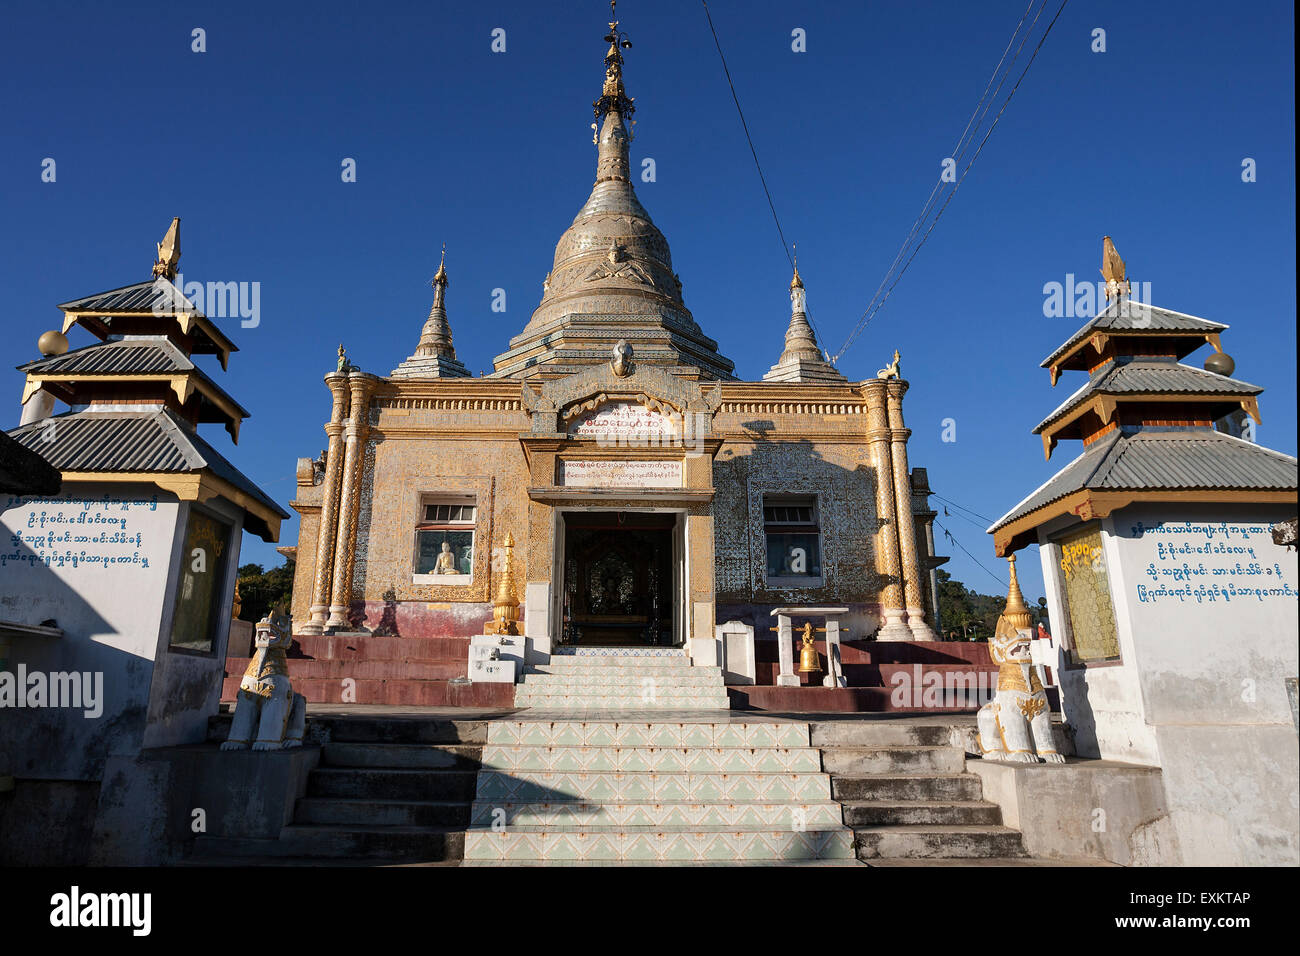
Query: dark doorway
point(618, 581)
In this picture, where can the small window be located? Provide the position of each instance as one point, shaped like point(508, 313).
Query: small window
point(793, 539)
point(201, 587)
point(444, 539)
point(1086, 585)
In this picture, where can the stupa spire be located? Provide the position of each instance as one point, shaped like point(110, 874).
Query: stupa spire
point(613, 98)
point(435, 356)
point(1016, 611)
point(802, 359)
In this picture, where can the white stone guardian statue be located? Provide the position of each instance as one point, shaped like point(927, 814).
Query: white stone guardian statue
point(1018, 721)
point(268, 714)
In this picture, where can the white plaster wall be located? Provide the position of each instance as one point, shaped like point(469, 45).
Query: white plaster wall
point(110, 615)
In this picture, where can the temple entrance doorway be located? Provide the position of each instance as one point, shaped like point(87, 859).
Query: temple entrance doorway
point(621, 577)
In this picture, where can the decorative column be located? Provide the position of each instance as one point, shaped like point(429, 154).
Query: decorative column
point(888, 563)
point(325, 534)
point(913, 592)
point(354, 438)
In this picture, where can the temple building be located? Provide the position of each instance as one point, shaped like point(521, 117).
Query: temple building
point(651, 493)
point(1171, 579)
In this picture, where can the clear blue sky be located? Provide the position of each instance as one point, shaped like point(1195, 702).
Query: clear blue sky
point(492, 154)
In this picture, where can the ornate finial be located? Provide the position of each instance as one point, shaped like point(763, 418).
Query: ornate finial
point(1112, 270)
point(236, 605)
point(894, 369)
point(1016, 611)
point(505, 609)
point(440, 278)
point(169, 252)
point(796, 282)
point(613, 98)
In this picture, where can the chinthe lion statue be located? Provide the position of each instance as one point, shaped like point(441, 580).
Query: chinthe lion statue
point(268, 714)
point(1018, 721)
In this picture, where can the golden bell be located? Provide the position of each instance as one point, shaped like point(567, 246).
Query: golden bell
point(808, 662)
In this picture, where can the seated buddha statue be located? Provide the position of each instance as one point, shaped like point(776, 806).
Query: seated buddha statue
point(446, 563)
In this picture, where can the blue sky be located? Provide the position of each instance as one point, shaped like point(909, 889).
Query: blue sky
point(491, 153)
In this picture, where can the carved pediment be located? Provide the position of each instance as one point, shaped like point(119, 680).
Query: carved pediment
point(563, 399)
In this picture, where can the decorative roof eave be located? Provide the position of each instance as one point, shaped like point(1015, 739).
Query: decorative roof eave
point(190, 323)
point(184, 385)
point(1088, 504)
point(1154, 321)
point(1104, 406)
point(1072, 360)
point(197, 486)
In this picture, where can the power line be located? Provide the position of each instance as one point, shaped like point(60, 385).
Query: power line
point(953, 538)
point(949, 501)
point(878, 305)
point(785, 246)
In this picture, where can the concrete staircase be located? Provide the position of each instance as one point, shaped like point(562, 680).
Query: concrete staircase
point(621, 678)
point(387, 791)
point(397, 671)
point(653, 790)
point(907, 794)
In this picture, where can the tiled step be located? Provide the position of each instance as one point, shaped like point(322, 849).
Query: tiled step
point(578, 814)
point(894, 787)
point(542, 786)
point(913, 812)
point(617, 671)
point(626, 677)
point(392, 784)
point(629, 655)
point(894, 760)
point(637, 691)
point(647, 733)
point(379, 812)
point(407, 756)
point(920, 842)
point(584, 703)
point(655, 845)
point(420, 693)
point(659, 759)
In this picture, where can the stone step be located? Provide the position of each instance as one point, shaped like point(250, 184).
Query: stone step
point(404, 730)
point(893, 760)
point(392, 784)
point(542, 786)
point(879, 733)
point(577, 704)
point(913, 812)
point(398, 692)
point(410, 844)
point(651, 845)
point(661, 759)
point(933, 841)
point(633, 692)
point(614, 658)
point(647, 733)
point(579, 814)
point(402, 813)
point(360, 669)
point(784, 864)
point(626, 677)
point(356, 648)
point(895, 787)
point(409, 756)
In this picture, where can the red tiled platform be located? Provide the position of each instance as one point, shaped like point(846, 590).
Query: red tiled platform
point(412, 671)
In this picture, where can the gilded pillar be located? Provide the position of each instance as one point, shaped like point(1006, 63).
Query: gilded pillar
point(320, 591)
point(354, 441)
point(888, 562)
point(913, 592)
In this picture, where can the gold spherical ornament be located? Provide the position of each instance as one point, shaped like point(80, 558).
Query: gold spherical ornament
point(52, 343)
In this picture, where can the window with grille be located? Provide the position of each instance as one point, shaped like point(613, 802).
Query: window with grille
point(1086, 586)
point(444, 538)
point(793, 533)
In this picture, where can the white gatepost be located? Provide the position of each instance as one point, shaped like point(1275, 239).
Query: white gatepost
point(736, 642)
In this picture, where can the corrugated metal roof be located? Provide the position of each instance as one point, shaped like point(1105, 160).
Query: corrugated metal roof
point(156, 295)
point(151, 355)
point(1135, 317)
point(1160, 376)
point(136, 441)
point(1183, 460)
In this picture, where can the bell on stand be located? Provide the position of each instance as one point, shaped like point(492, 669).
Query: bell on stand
point(808, 660)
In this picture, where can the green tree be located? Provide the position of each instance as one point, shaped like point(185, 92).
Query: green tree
point(260, 590)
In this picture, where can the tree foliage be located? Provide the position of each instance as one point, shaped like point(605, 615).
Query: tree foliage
point(967, 615)
point(260, 590)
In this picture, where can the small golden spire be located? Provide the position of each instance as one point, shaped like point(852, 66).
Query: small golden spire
point(1016, 611)
point(169, 252)
point(440, 277)
point(796, 282)
point(613, 98)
